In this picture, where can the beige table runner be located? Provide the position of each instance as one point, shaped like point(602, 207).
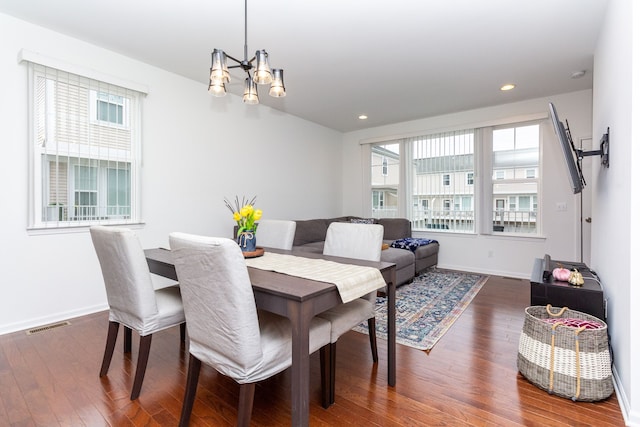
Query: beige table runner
point(352, 281)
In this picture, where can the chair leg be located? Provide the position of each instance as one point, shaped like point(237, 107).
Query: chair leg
point(143, 358)
point(190, 390)
point(245, 404)
point(325, 375)
point(112, 335)
point(127, 339)
point(332, 373)
point(183, 332)
point(372, 339)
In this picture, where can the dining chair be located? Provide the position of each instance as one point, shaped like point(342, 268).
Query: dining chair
point(133, 298)
point(226, 330)
point(276, 233)
point(358, 241)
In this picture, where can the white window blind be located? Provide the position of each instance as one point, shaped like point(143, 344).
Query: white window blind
point(442, 165)
point(84, 152)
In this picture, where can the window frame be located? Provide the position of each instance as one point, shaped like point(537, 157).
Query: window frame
point(95, 98)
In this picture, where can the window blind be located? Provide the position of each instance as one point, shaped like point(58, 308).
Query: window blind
point(85, 151)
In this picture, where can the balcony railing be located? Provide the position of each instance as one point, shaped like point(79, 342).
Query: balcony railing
point(86, 213)
point(464, 221)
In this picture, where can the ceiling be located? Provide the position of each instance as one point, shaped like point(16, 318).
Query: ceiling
point(393, 61)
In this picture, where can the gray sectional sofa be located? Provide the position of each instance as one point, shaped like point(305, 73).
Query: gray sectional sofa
point(310, 235)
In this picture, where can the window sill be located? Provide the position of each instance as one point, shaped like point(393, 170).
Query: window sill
point(43, 230)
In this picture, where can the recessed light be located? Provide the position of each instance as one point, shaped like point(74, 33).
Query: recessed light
point(508, 86)
point(363, 117)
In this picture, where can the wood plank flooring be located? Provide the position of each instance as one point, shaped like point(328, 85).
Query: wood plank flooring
point(470, 378)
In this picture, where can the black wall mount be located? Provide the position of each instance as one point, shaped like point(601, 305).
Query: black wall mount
point(603, 152)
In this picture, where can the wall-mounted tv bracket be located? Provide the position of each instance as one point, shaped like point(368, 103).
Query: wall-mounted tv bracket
point(603, 152)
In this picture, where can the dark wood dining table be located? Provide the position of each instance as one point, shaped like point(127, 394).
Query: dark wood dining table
point(299, 300)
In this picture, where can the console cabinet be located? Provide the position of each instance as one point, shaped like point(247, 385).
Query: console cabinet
point(588, 298)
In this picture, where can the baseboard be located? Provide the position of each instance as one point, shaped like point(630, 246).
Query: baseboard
point(52, 318)
point(631, 417)
point(500, 273)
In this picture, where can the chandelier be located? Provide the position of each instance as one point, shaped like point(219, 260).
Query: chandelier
point(262, 73)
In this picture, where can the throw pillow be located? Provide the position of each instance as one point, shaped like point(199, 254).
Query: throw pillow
point(362, 221)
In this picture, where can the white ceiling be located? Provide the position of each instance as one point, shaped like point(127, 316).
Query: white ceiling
point(393, 61)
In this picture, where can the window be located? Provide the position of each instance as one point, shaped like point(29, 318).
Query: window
point(85, 150)
point(108, 108)
point(515, 163)
point(385, 176)
point(438, 183)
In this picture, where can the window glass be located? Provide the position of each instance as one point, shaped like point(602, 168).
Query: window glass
point(516, 164)
point(385, 177)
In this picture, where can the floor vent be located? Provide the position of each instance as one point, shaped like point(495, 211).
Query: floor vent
point(47, 327)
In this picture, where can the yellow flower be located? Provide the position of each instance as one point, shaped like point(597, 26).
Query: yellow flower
point(245, 216)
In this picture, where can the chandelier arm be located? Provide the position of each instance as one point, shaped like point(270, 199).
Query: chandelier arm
point(233, 59)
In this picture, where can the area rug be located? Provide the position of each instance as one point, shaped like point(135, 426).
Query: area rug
point(427, 307)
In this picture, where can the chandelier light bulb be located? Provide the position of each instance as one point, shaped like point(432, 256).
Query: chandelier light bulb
point(262, 73)
point(277, 85)
point(219, 69)
point(250, 92)
point(217, 88)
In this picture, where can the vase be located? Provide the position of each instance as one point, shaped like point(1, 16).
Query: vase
point(247, 241)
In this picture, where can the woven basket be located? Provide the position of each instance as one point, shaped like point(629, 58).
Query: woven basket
point(567, 361)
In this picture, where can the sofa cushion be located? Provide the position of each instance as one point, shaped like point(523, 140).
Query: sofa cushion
point(395, 228)
point(309, 231)
point(427, 250)
point(404, 261)
point(399, 257)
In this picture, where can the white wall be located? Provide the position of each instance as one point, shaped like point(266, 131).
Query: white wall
point(497, 255)
point(616, 197)
point(196, 150)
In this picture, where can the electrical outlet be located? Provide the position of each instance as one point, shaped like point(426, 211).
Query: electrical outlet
point(561, 207)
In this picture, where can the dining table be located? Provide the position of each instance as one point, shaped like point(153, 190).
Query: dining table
point(300, 299)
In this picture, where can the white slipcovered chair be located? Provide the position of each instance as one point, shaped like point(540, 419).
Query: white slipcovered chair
point(133, 300)
point(226, 331)
point(358, 241)
point(276, 233)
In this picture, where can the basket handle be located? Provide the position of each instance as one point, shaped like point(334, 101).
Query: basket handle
point(560, 313)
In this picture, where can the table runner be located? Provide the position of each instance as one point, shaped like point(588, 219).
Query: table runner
point(352, 281)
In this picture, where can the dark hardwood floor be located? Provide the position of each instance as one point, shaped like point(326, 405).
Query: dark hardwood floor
point(469, 378)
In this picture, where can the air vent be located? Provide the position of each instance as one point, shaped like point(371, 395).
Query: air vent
point(47, 327)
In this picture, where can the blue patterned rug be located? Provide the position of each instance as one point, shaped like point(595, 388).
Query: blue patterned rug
point(427, 307)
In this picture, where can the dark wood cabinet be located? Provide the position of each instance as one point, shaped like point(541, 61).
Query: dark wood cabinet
point(588, 298)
